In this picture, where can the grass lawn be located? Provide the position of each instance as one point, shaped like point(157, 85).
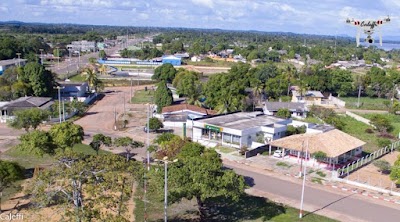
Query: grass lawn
point(365, 103)
point(87, 150)
point(394, 120)
point(77, 78)
point(214, 63)
point(357, 129)
point(142, 97)
point(225, 149)
point(248, 209)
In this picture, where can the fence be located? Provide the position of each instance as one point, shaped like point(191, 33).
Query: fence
point(346, 170)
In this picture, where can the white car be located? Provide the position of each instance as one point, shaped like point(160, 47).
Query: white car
point(279, 154)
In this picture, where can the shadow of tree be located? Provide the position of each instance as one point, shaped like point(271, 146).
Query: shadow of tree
point(224, 209)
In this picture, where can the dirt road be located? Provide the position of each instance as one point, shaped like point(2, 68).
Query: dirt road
point(100, 118)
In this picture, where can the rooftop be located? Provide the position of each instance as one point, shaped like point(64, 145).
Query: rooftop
point(333, 142)
point(309, 94)
point(242, 120)
point(182, 107)
point(275, 106)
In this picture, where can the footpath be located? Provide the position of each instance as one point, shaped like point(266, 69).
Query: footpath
point(316, 178)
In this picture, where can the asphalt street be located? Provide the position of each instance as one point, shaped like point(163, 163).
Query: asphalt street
point(319, 200)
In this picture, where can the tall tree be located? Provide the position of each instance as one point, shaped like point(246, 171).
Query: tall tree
point(199, 174)
point(66, 134)
point(90, 77)
point(166, 72)
point(40, 80)
point(162, 96)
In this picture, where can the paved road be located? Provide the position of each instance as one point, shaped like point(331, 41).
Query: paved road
point(345, 208)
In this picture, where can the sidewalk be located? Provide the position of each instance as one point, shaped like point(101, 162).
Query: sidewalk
point(276, 167)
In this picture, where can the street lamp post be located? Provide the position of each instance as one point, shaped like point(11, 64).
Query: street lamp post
point(19, 61)
point(59, 101)
point(166, 162)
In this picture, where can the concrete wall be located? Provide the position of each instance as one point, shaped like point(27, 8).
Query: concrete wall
point(337, 102)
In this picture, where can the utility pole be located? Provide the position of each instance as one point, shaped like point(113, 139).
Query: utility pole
point(166, 162)
point(131, 90)
point(359, 93)
point(63, 113)
point(19, 61)
point(59, 100)
point(304, 182)
point(58, 57)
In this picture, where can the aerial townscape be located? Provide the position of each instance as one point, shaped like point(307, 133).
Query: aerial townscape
point(199, 111)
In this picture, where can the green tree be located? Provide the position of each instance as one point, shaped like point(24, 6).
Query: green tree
point(91, 188)
point(188, 84)
point(155, 124)
point(283, 113)
point(66, 134)
point(37, 142)
point(166, 72)
point(39, 79)
point(342, 82)
point(395, 172)
point(102, 54)
point(381, 123)
point(319, 155)
point(29, 118)
point(128, 144)
point(10, 172)
point(90, 77)
point(291, 130)
point(199, 174)
point(100, 140)
point(162, 96)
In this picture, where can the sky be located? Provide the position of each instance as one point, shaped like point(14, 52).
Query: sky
point(326, 17)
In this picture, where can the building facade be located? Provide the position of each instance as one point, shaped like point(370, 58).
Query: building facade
point(5, 64)
point(239, 129)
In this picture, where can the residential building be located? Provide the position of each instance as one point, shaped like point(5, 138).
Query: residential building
point(82, 46)
point(175, 115)
point(339, 147)
point(238, 129)
point(308, 97)
point(297, 109)
point(22, 103)
point(5, 64)
point(73, 89)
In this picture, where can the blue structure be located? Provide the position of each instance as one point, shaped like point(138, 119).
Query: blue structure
point(173, 60)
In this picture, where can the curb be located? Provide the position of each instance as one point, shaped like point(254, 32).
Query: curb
point(355, 191)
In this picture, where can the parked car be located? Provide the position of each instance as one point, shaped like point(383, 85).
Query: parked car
point(279, 153)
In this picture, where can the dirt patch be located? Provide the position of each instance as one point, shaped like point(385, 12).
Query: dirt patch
point(370, 175)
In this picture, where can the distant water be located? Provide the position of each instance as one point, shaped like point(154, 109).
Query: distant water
point(385, 46)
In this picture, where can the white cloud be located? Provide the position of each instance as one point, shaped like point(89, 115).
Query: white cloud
point(3, 8)
point(206, 3)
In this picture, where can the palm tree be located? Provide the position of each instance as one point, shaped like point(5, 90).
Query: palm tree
point(103, 69)
point(257, 91)
point(91, 77)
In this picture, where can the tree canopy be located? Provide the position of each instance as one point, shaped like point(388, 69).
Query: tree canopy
point(29, 118)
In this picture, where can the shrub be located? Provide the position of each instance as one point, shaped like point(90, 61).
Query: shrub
point(383, 166)
point(369, 130)
point(320, 173)
point(243, 150)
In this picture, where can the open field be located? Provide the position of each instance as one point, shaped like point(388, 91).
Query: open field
point(357, 129)
point(394, 120)
point(143, 97)
point(365, 103)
